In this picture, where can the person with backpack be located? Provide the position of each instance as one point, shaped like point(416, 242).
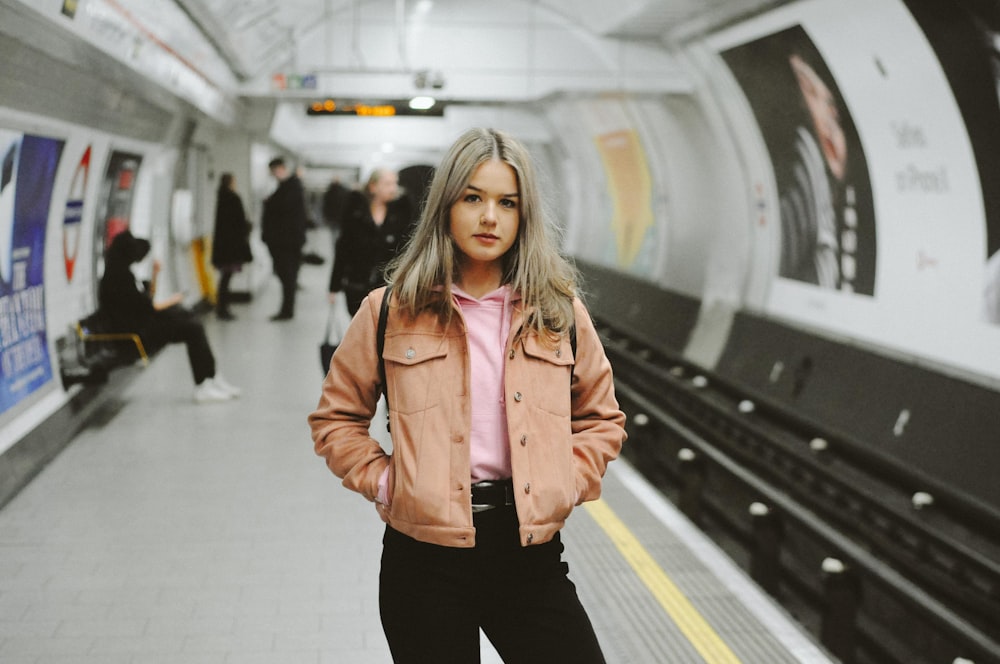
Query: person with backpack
point(503, 418)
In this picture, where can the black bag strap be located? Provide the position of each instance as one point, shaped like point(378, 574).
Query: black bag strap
point(572, 338)
point(383, 319)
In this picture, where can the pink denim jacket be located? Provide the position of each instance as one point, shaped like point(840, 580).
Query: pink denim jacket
point(561, 439)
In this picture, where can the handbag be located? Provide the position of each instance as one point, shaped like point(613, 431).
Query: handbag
point(326, 350)
point(337, 320)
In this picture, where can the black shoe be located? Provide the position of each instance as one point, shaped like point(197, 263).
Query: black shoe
point(281, 316)
point(225, 315)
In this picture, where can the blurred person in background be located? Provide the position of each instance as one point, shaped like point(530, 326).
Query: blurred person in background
point(283, 230)
point(230, 242)
point(128, 308)
point(375, 225)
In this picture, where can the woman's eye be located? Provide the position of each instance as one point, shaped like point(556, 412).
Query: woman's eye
point(508, 203)
point(471, 198)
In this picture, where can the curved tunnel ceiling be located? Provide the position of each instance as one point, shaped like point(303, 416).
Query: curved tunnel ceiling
point(349, 45)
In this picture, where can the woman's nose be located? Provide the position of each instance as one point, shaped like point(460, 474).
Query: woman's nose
point(490, 213)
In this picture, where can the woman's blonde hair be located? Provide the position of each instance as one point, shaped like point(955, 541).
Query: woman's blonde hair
point(373, 178)
point(422, 276)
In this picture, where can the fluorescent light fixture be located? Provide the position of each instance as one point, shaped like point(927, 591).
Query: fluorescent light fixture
point(421, 103)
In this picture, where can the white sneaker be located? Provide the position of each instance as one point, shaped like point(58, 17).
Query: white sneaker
point(208, 392)
point(224, 385)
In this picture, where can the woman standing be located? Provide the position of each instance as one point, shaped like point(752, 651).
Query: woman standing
point(375, 225)
point(230, 243)
point(503, 418)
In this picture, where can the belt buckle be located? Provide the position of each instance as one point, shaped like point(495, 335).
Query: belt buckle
point(481, 508)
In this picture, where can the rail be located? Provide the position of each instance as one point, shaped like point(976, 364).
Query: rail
point(806, 500)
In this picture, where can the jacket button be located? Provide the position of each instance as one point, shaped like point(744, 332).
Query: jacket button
point(410, 353)
point(558, 352)
point(458, 438)
point(512, 353)
point(524, 439)
point(517, 396)
point(531, 537)
point(527, 487)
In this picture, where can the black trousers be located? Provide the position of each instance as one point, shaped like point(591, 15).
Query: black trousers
point(179, 325)
point(354, 300)
point(434, 599)
point(286, 266)
point(357, 292)
point(223, 297)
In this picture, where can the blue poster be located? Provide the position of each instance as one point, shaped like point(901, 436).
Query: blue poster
point(27, 173)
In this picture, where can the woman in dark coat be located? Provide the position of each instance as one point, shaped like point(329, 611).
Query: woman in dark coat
point(231, 242)
point(374, 226)
point(127, 308)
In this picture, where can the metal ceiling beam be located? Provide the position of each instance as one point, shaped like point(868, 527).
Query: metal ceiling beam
point(210, 26)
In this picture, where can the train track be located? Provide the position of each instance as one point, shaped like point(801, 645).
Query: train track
point(880, 570)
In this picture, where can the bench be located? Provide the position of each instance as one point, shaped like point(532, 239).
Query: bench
point(94, 329)
point(95, 348)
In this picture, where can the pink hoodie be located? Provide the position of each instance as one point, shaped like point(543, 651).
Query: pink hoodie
point(487, 324)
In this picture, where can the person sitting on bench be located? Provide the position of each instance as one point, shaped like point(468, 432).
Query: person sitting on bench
point(129, 308)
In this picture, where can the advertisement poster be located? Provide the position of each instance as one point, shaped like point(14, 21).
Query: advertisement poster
point(28, 170)
point(826, 213)
point(964, 36)
point(886, 157)
point(118, 189)
point(633, 238)
point(631, 189)
point(115, 200)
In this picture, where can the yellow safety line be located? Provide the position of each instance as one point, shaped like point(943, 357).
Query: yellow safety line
point(687, 618)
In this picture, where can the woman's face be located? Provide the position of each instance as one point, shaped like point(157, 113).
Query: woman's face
point(825, 116)
point(386, 187)
point(486, 217)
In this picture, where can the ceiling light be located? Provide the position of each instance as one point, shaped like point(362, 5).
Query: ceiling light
point(421, 103)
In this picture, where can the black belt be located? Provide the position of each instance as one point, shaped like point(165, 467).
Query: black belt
point(492, 493)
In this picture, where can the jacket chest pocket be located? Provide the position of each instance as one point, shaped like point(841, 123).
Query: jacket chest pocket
point(550, 371)
point(415, 368)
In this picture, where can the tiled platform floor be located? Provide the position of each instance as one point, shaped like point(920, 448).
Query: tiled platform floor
point(176, 533)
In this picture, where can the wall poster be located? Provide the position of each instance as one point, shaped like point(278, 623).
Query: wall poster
point(827, 215)
point(27, 173)
point(883, 147)
point(115, 200)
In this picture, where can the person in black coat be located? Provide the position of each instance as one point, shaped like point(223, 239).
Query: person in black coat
point(333, 204)
point(283, 230)
point(127, 308)
point(375, 225)
point(231, 241)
